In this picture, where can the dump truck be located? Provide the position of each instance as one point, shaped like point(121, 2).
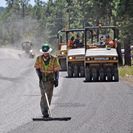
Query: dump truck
point(101, 55)
point(75, 54)
point(62, 49)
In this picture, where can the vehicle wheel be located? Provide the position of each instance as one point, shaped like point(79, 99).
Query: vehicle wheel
point(82, 71)
point(101, 75)
point(76, 72)
point(116, 75)
point(87, 74)
point(70, 72)
point(94, 74)
point(109, 74)
point(63, 64)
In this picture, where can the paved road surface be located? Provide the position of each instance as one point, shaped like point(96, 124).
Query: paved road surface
point(93, 107)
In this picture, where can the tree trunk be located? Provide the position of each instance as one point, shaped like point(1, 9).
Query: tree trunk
point(118, 49)
point(127, 54)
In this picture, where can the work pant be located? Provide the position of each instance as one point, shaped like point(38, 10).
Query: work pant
point(47, 87)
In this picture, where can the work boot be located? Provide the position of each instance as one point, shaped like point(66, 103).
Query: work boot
point(45, 114)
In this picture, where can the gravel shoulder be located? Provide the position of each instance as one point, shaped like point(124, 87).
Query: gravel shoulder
point(128, 79)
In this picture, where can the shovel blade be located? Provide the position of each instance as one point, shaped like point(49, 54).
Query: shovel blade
point(52, 119)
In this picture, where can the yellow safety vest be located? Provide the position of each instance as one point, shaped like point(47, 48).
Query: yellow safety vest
point(52, 66)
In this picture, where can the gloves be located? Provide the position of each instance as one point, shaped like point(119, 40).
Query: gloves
point(56, 79)
point(56, 83)
point(40, 77)
point(39, 74)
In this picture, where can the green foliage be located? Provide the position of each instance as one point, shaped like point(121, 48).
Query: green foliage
point(126, 71)
point(125, 7)
point(125, 19)
point(55, 15)
point(2, 9)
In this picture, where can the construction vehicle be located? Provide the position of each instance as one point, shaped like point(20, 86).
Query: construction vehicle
point(27, 48)
point(75, 54)
point(62, 49)
point(101, 57)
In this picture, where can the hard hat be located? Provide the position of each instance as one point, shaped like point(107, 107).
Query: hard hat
point(107, 35)
point(78, 34)
point(46, 48)
point(72, 38)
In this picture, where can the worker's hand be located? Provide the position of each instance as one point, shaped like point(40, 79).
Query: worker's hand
point(56, 83)
point(40, 77)
point(39, 73)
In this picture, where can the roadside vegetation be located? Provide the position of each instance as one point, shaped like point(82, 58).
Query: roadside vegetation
point(126, 71)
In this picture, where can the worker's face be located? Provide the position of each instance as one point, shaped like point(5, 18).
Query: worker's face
point(46, 54)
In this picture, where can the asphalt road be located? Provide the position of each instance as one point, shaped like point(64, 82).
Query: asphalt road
point(93, 107)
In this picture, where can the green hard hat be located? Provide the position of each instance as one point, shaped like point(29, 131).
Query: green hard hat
point(46, 48)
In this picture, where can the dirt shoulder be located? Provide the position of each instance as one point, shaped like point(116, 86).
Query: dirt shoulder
point(128, 79)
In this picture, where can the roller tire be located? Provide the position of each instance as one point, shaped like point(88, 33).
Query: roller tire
point(70, 72)
point(76, 72)
point(82, 71)
point(87, 74)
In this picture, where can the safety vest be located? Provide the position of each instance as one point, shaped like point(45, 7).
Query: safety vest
point(70, 43)
point(50, 68)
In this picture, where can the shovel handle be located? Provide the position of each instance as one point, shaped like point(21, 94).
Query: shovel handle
point(48, 104)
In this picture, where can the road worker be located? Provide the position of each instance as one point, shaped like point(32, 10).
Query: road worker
point(71, 42)
point(109, 42)
point(78, 42)
point(47, 68)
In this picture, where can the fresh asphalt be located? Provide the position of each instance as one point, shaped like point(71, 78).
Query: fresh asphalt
point(96, 107)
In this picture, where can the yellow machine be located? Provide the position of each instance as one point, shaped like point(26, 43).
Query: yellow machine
point(62, 49)
point(27, 47)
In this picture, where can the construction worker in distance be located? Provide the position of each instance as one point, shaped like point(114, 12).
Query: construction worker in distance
point(109, 42)
point(78, 42)
point(47, 68)
point(71, 42)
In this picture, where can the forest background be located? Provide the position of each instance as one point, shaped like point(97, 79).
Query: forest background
point(20, 21)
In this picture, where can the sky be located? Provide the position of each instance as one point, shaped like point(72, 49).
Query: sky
point(3, 2)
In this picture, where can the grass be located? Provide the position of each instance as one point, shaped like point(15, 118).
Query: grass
point(126, 71)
